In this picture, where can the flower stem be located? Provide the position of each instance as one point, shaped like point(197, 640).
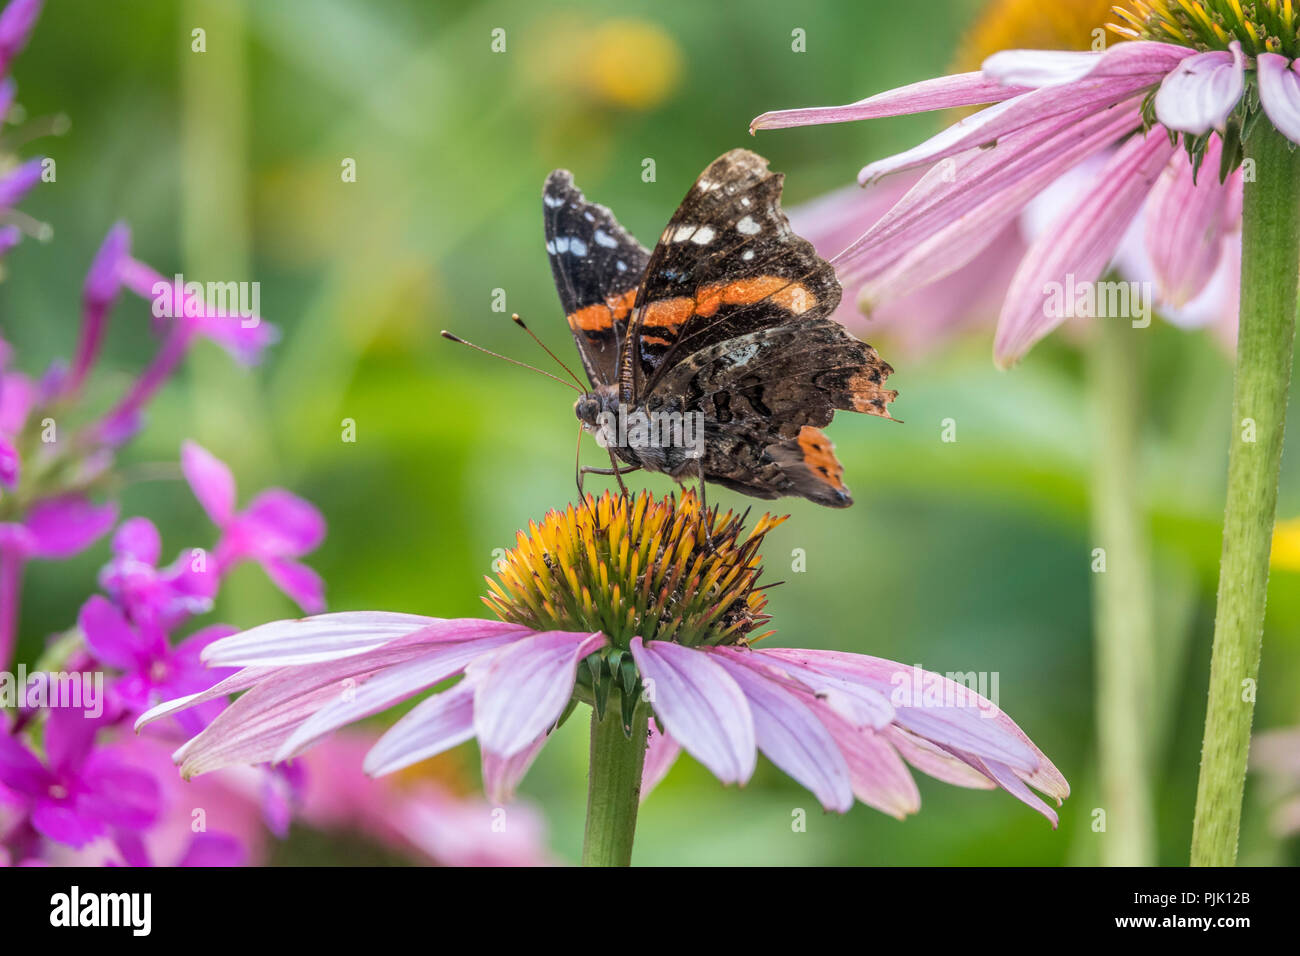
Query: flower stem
point(1270, 252)
point(614, 785)
point(1121, 594)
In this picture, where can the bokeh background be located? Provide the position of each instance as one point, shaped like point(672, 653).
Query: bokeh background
point(971, 555)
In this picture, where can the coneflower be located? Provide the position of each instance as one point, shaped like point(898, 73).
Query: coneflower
point(649, 612)
point(1217, 80)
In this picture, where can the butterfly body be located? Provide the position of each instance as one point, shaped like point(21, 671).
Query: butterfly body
point(720, 339)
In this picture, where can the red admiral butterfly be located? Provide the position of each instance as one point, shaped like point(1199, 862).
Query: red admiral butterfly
point(726, 324)
point(713, 357)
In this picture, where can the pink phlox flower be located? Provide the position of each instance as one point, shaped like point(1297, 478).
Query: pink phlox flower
point(274, 530)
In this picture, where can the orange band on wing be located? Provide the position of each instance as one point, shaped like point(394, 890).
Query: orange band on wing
point(789, 294)
point(602, 315)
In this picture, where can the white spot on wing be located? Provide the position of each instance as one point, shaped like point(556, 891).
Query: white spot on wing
point(683, 232)
point(605, 239)
point(748, 254)
point(553, 201)
point(748, 227)
point(703, 236)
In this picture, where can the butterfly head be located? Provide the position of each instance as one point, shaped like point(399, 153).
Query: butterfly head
point(590, 405)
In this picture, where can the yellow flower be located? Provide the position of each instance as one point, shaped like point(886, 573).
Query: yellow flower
point(1036, 25)
point(630, 63)
point(1286, 545)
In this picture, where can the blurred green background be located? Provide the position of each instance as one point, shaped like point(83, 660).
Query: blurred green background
point(960, 556)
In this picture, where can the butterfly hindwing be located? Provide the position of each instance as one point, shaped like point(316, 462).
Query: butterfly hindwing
point(727, 264)
point(597, 267)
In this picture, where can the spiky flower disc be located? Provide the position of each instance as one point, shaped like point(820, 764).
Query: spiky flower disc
point(1260, 26)
point(665, 570)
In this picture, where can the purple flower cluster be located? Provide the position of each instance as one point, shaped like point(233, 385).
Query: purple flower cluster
point(16, 179)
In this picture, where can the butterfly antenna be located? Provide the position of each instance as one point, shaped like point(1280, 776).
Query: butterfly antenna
point(505, 358)
point(532, 335)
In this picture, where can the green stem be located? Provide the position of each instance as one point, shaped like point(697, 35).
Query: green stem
point(1122, 601)
point(1270, 252)
point(614, 785)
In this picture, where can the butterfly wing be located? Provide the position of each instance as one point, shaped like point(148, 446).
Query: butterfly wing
point(732, 321)
point(727, 264)
point(597, 268)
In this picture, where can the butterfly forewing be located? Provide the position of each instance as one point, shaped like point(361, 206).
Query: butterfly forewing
point(727, 264)
point(597, 267)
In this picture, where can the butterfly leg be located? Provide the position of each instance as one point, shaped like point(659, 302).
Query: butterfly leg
point(615, 471)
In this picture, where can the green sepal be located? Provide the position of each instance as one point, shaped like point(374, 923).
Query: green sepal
point(600, 695)
point(568, 712)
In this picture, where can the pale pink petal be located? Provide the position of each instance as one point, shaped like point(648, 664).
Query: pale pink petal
point(1029, 111)
point(439, 723)
point(525, 688)
point(700, 705)
point(324, 637)
point(1036, 68)
point(444, 661)
point(936, 762)
point(964, 89)
point(1186, 222)
point(242, 680)
point(961, 205)
point(210, 480)
point(254, 727)
point(1081, 246)
point(1279, 93)
point(1011, 782)
point(879, 777)
point(661, 753)
point(860, 705)
point(788, 732)
point(1202, 91)
point(970, 723)
point(501, 774)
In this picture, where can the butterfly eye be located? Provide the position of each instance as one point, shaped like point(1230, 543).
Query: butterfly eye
point(586, 408)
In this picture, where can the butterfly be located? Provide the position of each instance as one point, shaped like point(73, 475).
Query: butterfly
point(724, 327)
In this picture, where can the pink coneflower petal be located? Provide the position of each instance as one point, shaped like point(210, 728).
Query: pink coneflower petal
point(327, 637)
point(789, 733)
point(859, 705)
point(1202, 91)
point(439, 723)
point(1186, 220)
point(964, 89)
point(254, 727)
point(701, 706)
point(526, 686)
point(661, 753)
point(211, 481)
point(984, 187)
point(241, 680)
point(501, 774)
point(937, 763)
point(878, 775)
point(1039, 68)
point(979, 727)
point(1009, 781)
point(963, 230)
point(1081, 246)
point(1279, 93)
point(1032, 110)
point(393, 685)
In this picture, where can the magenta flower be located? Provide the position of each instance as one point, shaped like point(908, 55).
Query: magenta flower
point(151, 670)
point(16, 23)
point(79, 792)
point(274, 530)
point(163, 596)
point(844, 725)
point(1053, 111)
